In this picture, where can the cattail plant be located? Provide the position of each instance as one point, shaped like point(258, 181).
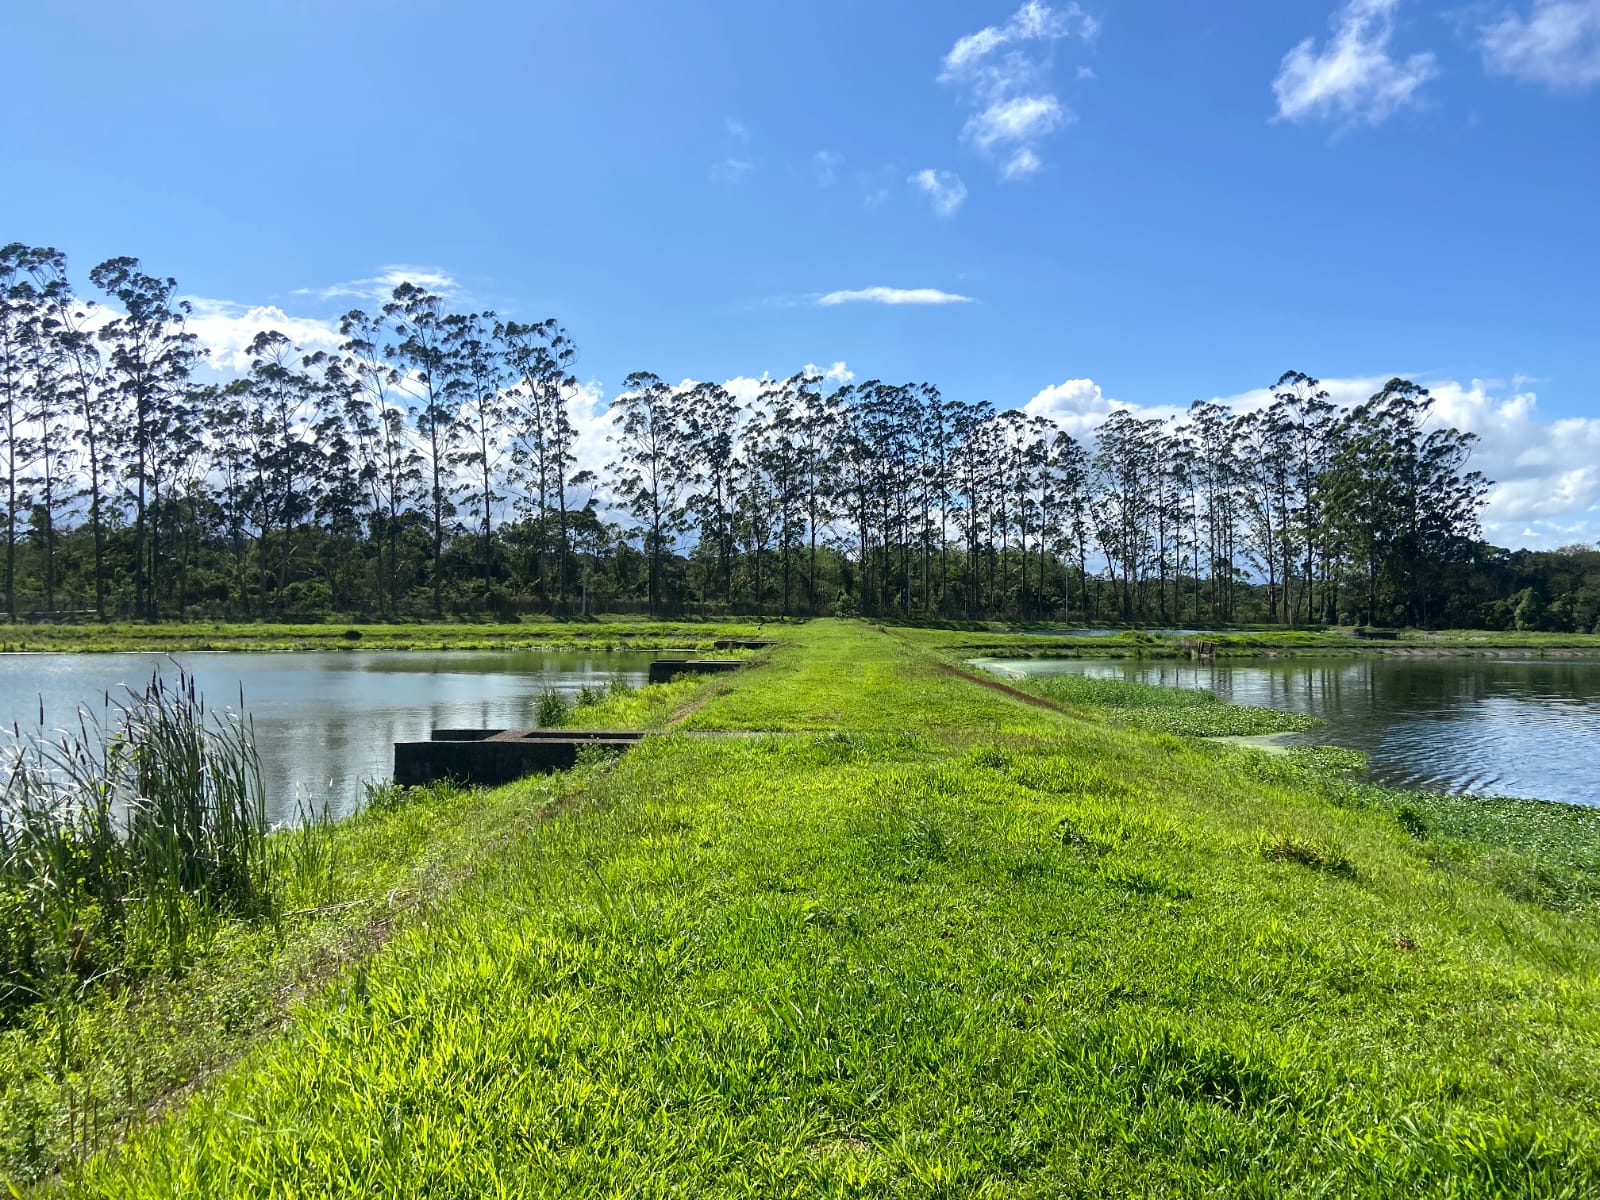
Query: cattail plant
point(122, 840)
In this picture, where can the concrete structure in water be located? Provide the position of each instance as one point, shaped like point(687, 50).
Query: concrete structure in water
point(494, 756)
point(665, 670)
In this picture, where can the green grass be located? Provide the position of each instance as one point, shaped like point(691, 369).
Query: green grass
point(335, 635)
point(1543, 853)
point(77, 1075)
point(921, 939)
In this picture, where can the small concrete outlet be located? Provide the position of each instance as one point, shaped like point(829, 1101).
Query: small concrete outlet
point(495, 756)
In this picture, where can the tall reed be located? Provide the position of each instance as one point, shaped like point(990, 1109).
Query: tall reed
point(122, 841)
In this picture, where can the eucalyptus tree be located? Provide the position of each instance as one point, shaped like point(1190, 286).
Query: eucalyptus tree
point(934, 491)
point(1308, 416)
point(973, 432)
point(184, 516)
point(1066, 518)
point(283, 408)
point(1123, 462)
point(885, 443)
point(343, 501)
point(483, 412)
point(712, 417)
point(543, 438)
point(654, 468)
point(1404, 504)
point(385, 456)
point(81, 380)
point(774, 443)
point(1267, 471)
point(754, 521)
point(1014, 479)
point(149, 357)
point(19, 317)
point(51, 410)
point(816, 432)
point(1166, 483)
point(1216, 469)
point(429, 376)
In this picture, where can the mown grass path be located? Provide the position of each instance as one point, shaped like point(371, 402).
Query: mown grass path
point(927, 939)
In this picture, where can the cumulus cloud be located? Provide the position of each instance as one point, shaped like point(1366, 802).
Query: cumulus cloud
point(736, 128)
point(837, 373)
point(1003, 74)
point(889, 295)
point(1352, 77)
point(380, 287)
point(944, 189)
point(225, 330)
point(1545, 473)
point(1076, 405)
point(1556, 44)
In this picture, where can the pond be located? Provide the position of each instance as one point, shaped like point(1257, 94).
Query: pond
point(1508, 727)
point(325, 721)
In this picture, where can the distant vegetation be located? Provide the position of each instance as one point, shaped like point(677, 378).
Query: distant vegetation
point(428, 468)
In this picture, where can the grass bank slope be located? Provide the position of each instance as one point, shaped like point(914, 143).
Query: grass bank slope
point(926, 939)
point(1002, 639)
point(596, 633)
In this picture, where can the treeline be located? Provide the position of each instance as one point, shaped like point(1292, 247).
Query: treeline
point(429, 467)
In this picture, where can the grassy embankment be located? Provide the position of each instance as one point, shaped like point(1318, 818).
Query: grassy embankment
point(927, 939)
point(598, 633)
point(1046, 638)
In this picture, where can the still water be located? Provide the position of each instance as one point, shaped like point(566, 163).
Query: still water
point(1485, 726)
point(325, 722)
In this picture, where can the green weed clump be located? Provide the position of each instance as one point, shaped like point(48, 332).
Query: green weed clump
point(551, 709)
point(120, 844)
point(1319, 856)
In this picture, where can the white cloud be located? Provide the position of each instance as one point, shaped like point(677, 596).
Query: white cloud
point(736, 129)
point(1556, 44)
point(827, 163)
point(1022, 119)
point(225, 331)
point(380, 287)
point(1353, 77)
point(1003, 71)
point(875, 198)
point(888, 295)
point(1076, 405)
point(838, 373)
point(1546, 474)
point(972, 56)
point(731, 170)
point(1021, 164)
point(944, 189)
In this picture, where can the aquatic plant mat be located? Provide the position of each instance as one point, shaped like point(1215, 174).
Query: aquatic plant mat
point(924, 939)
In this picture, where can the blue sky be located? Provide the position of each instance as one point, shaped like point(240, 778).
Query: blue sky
point(1140, 203)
